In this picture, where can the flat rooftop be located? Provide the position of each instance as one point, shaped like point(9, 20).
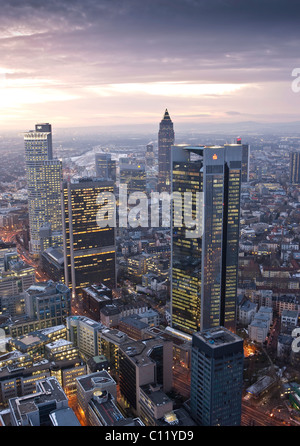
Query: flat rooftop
point(25, 342)
point(114, 335)
point(64, 417)
point(107, 410)
point(217, 337)
point(47, 390)
point(157, 396)
point(139, 351)
point(91, 381)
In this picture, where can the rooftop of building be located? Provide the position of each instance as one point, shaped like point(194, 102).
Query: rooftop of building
point(17, 267)
point(58, 343)
point(134, 321)
point(260, 385)
point(149, 313)
point(64, 417)
point(110, 310)
point(290, 313)
point(99, 359)
point(115, 335)
point(104, 404)
point(264, 309)
point(99, 292)
point(155, 394)
point(86, 320)
point(139, 351)
point(177, 417)
point(16, 369)
point(56, 254)
point(260, 315)
point(285, 339)
point(93, 380)
point(217, 337)
point(259, 323)
point(247, 305)
point(26, 342)
point(46, 390)
point(51, 330)
point(129, 422)
point(47, 288)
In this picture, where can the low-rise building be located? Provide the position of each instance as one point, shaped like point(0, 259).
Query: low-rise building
point(246, 312)
point(35, 409)
point(154, 404)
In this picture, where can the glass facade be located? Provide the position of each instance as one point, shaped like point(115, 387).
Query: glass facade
point(105, 166)
point(127, 379)
point(245, 149)
point(186, 253)
point(204, 268)
point(44, 176)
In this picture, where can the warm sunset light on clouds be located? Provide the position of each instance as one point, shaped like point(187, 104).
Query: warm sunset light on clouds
point(91, 63)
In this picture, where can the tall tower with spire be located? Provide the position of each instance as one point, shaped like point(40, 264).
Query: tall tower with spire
point(166, 138)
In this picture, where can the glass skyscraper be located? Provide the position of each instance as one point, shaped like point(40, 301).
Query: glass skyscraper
point(245, 159)
point(105, 166)
point(204, 267)
point(44, 176)
point(166, 138)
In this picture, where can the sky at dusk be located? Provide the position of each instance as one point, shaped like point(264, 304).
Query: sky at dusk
point(113, 62)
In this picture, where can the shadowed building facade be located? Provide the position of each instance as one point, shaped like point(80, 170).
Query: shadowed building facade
point(245, 159)
point(217, 377)
point(295, 167)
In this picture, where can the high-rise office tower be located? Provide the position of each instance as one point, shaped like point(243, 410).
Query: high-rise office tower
point(105, 166)
point(134, 176)
point(48, 303)
point(295, 167)
point(204, 263)
point(166, 138)
point(89, 250)
point(216, 377)
point(44, 175)
point(245, 160)
point(149, 155)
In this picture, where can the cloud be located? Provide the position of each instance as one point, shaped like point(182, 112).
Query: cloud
point(233, 113)
point(176, 50)
point(173, 89)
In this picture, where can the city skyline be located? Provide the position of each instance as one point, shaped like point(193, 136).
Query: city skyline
point(150, 243)
point(103, 64)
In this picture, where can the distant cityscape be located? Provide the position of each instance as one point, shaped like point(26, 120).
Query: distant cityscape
point(122, 326)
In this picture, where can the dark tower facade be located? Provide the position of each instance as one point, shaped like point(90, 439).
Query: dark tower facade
point(295, 167)
point(166, 138)
point(245, 160)
point(217, 377)
point(89, 250)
